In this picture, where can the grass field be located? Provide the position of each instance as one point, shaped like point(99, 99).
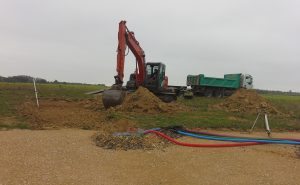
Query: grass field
point(14, 94)
point(286, 103)
point(204, 117)
point(201, 115)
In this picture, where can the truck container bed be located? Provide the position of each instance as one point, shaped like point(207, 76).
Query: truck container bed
point(231, 81)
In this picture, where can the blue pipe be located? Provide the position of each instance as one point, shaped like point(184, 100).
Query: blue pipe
point(224, 136)
point(239, 139)
point(156, 129)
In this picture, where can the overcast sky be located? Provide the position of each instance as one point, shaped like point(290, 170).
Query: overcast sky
point(76, 40)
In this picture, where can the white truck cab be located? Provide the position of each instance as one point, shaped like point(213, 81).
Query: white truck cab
point(246, 81)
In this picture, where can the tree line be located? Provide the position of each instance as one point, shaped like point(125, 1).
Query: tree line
point(290, 92)
point(29, 79)
point(22, 78)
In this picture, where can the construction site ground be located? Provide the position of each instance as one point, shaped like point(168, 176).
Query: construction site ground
point(59, 144)
point(69, 156)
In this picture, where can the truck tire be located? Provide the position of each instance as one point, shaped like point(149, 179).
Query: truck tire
point(208, 93)
point(219, 93)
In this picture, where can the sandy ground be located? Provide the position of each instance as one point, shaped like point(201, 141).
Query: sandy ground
point(70, 157)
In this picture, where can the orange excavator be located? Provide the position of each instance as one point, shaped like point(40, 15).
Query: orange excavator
point(150, 75)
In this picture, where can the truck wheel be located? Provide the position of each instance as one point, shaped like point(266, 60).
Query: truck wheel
point(219, 93)
point(208, 93)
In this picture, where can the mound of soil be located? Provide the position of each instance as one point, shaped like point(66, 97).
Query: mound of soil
point(62, 114)
point(94, 104)
point(249, 101)
point(132, 142)
point(144, 101)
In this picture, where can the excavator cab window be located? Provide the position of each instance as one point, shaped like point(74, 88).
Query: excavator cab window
point(152, 71)
point(155, 73)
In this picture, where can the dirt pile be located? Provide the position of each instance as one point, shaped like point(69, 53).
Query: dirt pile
point(247, 101)
point(144, 101)
point(131, 142)
point(94, 104)
point(62, 114)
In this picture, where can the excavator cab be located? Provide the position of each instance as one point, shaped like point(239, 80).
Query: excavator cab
point(155, 75)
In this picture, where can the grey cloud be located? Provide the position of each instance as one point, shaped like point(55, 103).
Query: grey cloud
point(76, 40)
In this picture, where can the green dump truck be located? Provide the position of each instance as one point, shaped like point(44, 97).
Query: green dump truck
point(218, 87)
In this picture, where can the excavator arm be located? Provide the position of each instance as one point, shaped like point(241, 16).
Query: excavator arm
point(127, 38)
point(115, 95)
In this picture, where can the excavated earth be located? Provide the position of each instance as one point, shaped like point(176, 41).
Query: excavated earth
point(144, 101)
point(248, 101)
point(54, 113)
point(91, 114)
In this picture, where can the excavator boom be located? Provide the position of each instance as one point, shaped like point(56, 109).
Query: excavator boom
point(126, 38)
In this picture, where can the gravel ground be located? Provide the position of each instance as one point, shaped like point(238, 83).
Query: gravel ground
point(70, 157)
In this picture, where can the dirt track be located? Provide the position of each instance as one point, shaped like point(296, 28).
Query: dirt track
point(70, 157)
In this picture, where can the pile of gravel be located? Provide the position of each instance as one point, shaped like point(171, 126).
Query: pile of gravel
point(131, 142)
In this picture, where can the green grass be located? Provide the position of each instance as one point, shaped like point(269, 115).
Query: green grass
point(284, 98)
point(70, 91)
point(287, 104)
point(191, 119)
point(12, 95)
point(200, 114)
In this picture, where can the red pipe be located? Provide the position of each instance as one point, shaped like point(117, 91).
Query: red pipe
point(200, 145)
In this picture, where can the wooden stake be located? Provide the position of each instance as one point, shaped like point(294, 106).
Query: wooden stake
point(36, 93)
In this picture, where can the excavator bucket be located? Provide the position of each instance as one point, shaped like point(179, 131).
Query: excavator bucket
point(112, 97)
